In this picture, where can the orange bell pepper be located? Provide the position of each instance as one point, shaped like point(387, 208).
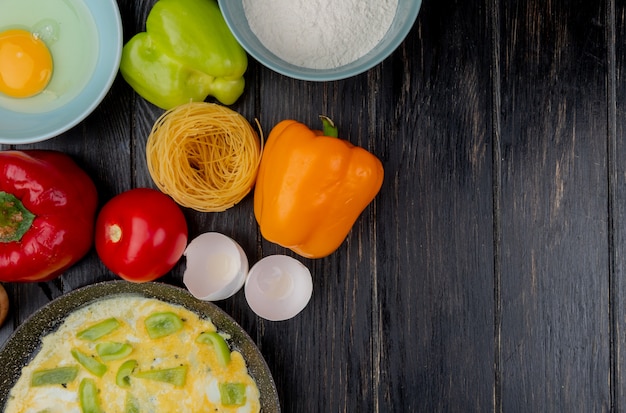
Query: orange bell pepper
point(311, 187)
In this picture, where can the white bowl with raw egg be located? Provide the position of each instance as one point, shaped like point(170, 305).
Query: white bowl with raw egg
point(58, 60)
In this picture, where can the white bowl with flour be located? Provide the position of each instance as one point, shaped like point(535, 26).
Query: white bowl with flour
point(320, 40)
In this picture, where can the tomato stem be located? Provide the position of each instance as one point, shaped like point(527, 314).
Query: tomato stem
point(115, 233)
point(15, 219)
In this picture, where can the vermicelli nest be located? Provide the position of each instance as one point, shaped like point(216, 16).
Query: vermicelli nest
point(204, 155)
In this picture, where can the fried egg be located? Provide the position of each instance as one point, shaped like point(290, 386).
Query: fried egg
point(67, 31)
point(201, 388)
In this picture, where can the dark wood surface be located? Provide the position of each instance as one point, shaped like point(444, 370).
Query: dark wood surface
point(488, 274)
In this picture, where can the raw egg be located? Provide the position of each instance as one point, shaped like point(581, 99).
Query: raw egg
point(25, 64)
point(57, 37)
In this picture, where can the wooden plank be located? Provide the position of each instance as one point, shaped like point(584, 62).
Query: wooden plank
point(434, 308)
point(313, 345)
point(555, 330)
point(617, 170)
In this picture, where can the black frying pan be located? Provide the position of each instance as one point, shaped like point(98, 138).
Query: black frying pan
point(25, 341)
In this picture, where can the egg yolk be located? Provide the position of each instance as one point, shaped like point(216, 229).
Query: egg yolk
point(25, 64)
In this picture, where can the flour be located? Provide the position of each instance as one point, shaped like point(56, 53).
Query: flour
point(320, 34)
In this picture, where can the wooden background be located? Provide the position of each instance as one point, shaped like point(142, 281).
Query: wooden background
point(488, 274)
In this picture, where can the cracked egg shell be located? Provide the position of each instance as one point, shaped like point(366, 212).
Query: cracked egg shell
point(278, 287)
point(216, 267)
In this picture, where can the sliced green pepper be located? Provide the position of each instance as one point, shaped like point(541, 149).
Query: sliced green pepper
point(163, 324)
point(113, 351)
point(88, 396)
point(131, 405)
point(186, 54)
point(99, 330)
point(88, 362)
point(233, 394)
point(122, 378)
point(59, 375)
point(175, 375)
point(219, 345)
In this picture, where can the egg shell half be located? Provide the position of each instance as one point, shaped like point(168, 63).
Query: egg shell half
point(217, 267)
point(278, 287)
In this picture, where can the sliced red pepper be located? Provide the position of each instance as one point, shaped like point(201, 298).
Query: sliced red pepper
point(47, 214)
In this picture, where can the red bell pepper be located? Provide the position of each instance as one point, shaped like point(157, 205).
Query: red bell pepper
point(47, 214)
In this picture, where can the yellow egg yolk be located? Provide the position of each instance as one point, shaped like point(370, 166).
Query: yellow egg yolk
point(25, 64)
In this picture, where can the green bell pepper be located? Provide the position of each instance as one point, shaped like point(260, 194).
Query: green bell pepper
point(186, 54)
point(58, 375)
point(162, 324)
point(122, 378)
point(88, 396)
point(99, 330)
point(175, 375)
point(88, 362)
point(222, 351)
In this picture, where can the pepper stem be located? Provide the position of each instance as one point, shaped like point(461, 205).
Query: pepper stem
point(329, 127)
point(15, 219)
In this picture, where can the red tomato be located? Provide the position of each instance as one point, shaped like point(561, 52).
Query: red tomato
point(141, 234)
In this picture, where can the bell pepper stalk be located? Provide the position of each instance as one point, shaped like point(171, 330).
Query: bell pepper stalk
point(312, 186)
point(47, 214)
point(186, 54)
